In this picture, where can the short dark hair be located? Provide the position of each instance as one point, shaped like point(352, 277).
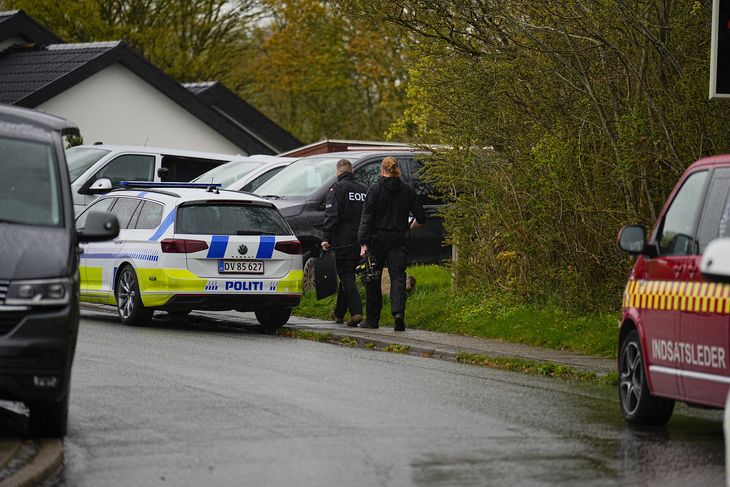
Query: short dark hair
point(344, 165)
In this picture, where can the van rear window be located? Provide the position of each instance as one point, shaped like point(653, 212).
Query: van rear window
point(230, 219)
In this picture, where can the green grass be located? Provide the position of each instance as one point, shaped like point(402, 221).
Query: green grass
point(433, 306)
point(397, 348)
point(547, 369)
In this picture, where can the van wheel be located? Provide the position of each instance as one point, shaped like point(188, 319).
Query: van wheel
point(129, 300)
point(309, 262)
point(48, 419)
point(272, 318)
point(638, 405)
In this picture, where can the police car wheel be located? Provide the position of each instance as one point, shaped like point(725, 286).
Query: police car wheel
point(638, 405)
point(129, 300)
point(272, 318)
point(309, 263)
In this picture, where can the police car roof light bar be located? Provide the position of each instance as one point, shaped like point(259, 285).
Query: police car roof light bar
point(150, 184)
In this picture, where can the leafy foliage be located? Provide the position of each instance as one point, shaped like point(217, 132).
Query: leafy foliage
point(566, 120)
point(315, 72)
point(192, 40)
point(323, 75)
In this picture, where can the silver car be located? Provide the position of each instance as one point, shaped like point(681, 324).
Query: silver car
point(246, 173)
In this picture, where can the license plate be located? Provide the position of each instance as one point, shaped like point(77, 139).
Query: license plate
point(241, 266)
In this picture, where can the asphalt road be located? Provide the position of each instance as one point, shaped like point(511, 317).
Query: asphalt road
point(184, 404)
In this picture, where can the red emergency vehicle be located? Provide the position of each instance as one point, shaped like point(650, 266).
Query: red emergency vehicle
point(675, 326)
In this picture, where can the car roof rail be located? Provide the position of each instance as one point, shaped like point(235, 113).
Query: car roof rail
point(152, 184)
point(148, 190)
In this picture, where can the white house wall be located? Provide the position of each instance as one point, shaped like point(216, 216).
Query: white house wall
point(115, 106)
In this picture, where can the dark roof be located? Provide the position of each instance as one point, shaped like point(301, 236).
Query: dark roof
point(16, 23)
point(245, 116)
point(29, 76)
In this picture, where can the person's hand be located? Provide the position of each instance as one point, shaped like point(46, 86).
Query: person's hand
point(325, 245)
point(363, 250)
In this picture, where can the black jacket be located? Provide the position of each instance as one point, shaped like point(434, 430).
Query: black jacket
point(385, 215)
point(343, 208)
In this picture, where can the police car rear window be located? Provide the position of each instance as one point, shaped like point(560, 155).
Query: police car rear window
point(229, 219)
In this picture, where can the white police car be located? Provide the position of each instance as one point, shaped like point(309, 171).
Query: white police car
point(184, 246)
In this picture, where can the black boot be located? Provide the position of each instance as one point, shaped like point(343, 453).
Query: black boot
point(400, 323)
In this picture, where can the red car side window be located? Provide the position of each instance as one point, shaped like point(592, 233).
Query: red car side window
point(715, 211)
point(676, 236)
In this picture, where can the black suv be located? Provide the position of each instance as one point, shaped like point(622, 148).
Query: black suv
point(39, 278)
point(299, 192)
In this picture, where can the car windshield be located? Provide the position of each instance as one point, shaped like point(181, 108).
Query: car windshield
point(229, 172)
point(79, 159)
point(302, 178)
point(230, 219)
point(29, 187)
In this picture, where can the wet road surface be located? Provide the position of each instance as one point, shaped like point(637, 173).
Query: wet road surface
point(185, 404)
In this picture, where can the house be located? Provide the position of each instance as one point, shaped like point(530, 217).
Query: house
point(116, 96)
point(237, 111)
point(337, 145)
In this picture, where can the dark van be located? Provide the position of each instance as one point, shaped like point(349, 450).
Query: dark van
point(39, 278)
point(299, 192)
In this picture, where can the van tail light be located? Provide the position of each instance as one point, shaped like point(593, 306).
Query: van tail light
point(289, 247)
point(182, 246)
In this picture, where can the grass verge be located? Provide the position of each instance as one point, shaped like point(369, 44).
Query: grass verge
point(546, 369)
point(433, 306)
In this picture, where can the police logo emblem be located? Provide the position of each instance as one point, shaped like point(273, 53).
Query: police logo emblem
point(242, 249)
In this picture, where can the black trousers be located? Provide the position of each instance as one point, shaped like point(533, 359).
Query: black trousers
point(395, 257)
point(348, 296)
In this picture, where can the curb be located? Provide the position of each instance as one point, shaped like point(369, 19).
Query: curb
point(420, 348)
point(46, 463)
point(426, 346)
point(380, 344)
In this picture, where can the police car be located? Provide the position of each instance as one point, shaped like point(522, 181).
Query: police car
point(675, 328)
point(185, 246)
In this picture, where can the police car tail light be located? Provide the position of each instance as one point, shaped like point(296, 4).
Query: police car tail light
point(289, 247)
point(182, 246)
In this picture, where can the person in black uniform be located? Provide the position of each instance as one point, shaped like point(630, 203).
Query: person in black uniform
point(343, 208)
point(384, 229)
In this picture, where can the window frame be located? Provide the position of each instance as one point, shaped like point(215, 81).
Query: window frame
point(695, 223)
point(369, 162)
point(717, 174)
point(92, 205)
point(96, 176)
point(131, 217)
point(138, 213)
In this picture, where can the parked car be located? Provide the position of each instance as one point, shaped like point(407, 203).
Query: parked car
point(247, 173)
point(673, 341)
point(299, 192)
point(184, 247)
point(39, 278)
point(97, 169)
